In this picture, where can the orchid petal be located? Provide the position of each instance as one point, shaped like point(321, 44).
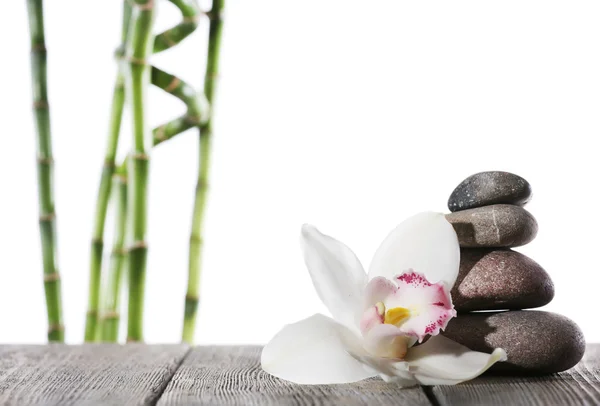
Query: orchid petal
point(337, 275)
point(387, 341)
point(315, 350)
point(390, 370)
point(441, 361)
point(377, 290)
point(372, 317)
point(426, 243)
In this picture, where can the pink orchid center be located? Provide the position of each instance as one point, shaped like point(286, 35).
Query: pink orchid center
point(414, 306)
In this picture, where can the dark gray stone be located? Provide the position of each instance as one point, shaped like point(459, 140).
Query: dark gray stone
point(500, 225)
point(500, 279)
point(536, 342)
point(487, 188)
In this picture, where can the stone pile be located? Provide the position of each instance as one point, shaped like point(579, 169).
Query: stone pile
point(489, 219)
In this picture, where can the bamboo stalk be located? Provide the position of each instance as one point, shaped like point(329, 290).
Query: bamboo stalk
point(138, 50)
point(197, 112)
point(104, 190)
point(109, 312)
point(109, 320)
point(206, 130)
point(45, 164)
point(190, 11)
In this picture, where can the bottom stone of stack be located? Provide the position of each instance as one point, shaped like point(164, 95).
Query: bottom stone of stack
point(536, 342)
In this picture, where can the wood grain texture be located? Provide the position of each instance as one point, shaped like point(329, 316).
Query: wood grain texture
point(93, 374)
point(137, 374)
point(577, 386)
point(232, 376)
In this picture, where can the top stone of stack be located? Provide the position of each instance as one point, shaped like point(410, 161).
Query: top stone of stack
point(487, 211)
point(489, 188)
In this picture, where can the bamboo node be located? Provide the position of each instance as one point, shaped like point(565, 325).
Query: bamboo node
point(45, 160)
point(92, 313)
point(191, 19)
point(51, 277)
point(143, 6)
point(97, 241)
point(40, 105)
point(136, 61)
point(196, 239)
point(109, 163)
point(173, 85)
point(119, 177)
point(140, 156)
point(160, 134)
point(212, 16)
point(110, 315)
point(138, 245)
point(47, 217)
point(168, 38)
point(202, 184)
point(119, 252)
point(40, 47)
point(133, 340)
point(55, 327)
point(191, 298)
point(193, 120)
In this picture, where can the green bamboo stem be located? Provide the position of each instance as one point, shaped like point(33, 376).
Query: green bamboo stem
point(197, 112)
point(206, 130)
point(45, 163)
point(138, 51)
point(109, 312)
point(190, 12)
point(104, 190)
point(109, 316)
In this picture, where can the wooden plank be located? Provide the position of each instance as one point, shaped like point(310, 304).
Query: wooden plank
point(577, 386)
point(233, 376)
point(92, 374)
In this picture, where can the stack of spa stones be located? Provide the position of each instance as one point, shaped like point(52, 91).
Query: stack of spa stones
point(489, 220)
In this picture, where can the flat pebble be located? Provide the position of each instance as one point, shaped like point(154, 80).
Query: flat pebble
point(500, 225)
point(487, 188)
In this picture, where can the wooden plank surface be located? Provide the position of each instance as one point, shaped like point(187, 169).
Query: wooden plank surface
point(232, 376)
point(173, 375)
point(94, 374)
point(578, 386)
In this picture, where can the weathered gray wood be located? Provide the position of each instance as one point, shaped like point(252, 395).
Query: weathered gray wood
point(233, 376)
point(170, 375)
point(578, 386)
point(91, 374)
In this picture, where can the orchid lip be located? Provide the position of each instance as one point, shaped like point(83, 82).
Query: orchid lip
point(412, 303)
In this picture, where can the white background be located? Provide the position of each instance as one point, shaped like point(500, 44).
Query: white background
point(351, 115)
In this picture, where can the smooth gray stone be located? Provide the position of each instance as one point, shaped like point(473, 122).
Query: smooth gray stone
point(536, 342)
point(500, 279)
point(500, 225)
point(487, 188)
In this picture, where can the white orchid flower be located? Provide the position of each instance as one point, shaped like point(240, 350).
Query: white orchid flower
point(378, 318)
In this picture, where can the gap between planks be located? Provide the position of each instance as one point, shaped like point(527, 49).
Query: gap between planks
point(164, 385)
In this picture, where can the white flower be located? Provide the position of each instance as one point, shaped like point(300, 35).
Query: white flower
point(378, 318)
